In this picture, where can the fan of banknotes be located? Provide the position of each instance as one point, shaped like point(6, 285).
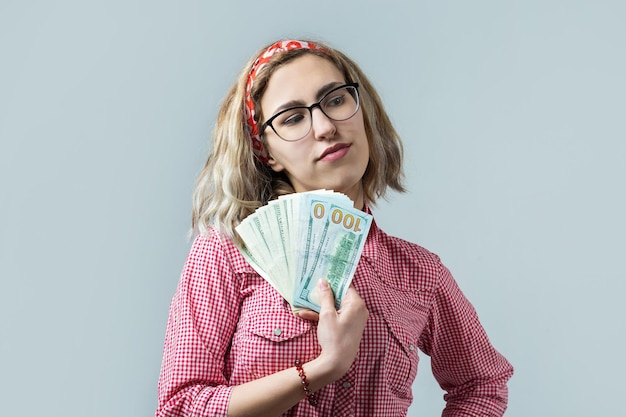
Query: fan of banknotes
point(297, 239)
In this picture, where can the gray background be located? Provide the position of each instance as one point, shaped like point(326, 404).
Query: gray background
point(512, 113)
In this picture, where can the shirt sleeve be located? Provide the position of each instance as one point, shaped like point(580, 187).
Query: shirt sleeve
point(203, 316)
point(471, 371)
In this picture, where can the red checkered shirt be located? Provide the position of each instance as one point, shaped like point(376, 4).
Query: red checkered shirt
point(228, 326)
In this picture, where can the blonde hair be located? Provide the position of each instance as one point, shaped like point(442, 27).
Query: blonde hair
point(234, 182)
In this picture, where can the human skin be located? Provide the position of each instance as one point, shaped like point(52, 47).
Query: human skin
point(339, 334)
point(303, 82)
point(333, 155)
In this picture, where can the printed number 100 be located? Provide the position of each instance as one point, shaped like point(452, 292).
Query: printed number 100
point(338, 217)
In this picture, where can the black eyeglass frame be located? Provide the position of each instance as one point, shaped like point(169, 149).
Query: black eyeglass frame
point(310, 109)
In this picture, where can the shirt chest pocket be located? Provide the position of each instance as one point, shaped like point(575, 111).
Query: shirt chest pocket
point(404, 323)
point(271, 340)
point(276, 326)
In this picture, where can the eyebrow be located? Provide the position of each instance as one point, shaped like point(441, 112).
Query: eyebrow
point(299, 103)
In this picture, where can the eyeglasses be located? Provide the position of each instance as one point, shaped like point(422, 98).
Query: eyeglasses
point(294, 123)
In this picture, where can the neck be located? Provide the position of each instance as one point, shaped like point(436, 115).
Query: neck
point(358, 197)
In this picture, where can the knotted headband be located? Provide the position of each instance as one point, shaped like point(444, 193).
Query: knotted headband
point(251, 124)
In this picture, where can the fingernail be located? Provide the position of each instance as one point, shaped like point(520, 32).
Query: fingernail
point(323, 284)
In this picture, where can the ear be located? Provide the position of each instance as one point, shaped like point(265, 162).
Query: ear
point(274, 164)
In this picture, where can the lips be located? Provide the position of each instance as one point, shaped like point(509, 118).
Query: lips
point(334, 152)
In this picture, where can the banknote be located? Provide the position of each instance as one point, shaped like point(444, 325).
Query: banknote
point(297, 239)
point(331, 247)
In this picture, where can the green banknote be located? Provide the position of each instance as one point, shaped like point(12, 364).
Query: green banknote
point(331, 245)
point(299, 238)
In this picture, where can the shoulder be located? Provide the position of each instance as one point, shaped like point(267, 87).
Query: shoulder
point(214, 249)
point(404, 247)
point(407, 262)
point(407, 252)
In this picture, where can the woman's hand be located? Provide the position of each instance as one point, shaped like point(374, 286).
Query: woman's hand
point(339, 335)
point(338, 332)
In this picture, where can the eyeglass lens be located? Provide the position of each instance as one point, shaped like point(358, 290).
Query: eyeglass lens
point(295, 123)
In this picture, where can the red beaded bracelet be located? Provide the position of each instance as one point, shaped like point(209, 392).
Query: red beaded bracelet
point(310, 395)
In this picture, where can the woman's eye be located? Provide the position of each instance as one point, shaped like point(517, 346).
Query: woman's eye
point(292, 119)
point(335, 101)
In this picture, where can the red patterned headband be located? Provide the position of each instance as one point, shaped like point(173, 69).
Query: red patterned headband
point(264, 58)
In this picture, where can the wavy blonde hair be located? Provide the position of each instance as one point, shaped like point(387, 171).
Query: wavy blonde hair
point(234, 182)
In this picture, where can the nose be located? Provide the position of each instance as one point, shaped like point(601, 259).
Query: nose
point(322, 126)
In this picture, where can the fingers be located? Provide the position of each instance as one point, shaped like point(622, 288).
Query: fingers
point(350, 294)
point(353, 305)
point(351, 301)
point(327, 299)
point(339, 335)
point(327, 302)
point(308, 315)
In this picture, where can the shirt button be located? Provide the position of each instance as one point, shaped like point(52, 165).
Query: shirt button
point(278, 331)
point(346, 384)
point(411, 347)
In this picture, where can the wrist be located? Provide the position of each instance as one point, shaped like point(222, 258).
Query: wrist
point(308, 392)
point(321, 371)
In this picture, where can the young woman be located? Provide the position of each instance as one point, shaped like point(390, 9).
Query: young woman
point(302, 116)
